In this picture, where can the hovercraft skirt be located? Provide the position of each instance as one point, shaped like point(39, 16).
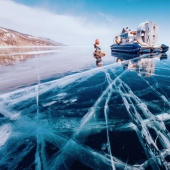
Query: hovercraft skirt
point(136, 48)
point(126, 48)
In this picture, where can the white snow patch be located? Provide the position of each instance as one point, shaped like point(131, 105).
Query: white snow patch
point(60, 95)
point(73, 100)
point(5, 131)
point(50, 103)
point(31, 37)
point(3, 29)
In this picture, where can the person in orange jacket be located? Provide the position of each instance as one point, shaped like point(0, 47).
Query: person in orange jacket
point(97, 53)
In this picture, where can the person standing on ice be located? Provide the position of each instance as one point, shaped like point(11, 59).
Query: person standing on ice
point(97, 53)
point(97, 45)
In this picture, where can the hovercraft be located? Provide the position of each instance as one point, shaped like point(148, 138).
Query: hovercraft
point(141, 41)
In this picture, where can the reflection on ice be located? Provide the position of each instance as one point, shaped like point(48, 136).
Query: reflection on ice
point(143, 64)
point(12, 55)
point(107, 118)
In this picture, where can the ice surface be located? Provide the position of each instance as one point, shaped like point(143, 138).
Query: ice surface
point(90, 118)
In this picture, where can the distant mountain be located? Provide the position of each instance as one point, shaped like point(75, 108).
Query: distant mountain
point(10, 37)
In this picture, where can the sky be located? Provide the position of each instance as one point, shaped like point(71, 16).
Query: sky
point(80, 22)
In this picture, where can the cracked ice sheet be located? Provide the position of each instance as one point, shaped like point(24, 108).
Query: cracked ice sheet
point(96, 119)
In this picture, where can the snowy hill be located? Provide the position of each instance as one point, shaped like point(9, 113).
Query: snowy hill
point(13, 38)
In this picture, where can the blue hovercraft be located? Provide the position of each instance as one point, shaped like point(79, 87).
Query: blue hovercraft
point(141, 41)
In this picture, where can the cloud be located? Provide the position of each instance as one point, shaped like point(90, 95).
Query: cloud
point(107, 17)
point(67, 29)
point(71, 30)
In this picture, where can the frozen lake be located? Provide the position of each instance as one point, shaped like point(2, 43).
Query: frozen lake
point(59, 111)
point(28, 66)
